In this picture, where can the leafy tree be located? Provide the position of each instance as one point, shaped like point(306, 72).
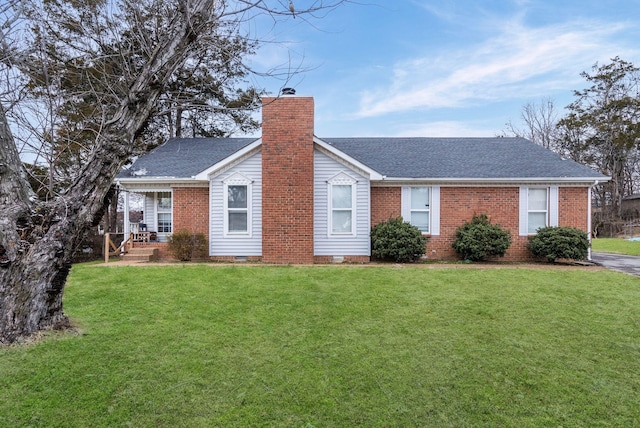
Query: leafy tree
point(203, 95)
point(121, 69)
point(602, 128)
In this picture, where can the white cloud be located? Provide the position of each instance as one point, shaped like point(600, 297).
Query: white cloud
point(446, 128)
point(517, 62)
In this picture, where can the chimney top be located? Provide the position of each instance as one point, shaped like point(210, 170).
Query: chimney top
point(288, 91)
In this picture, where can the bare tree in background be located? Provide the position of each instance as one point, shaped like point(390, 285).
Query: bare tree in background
point(38, 237)
point(539, 121)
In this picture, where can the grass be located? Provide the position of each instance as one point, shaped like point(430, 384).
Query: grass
point(616, 245)
point(330, 346)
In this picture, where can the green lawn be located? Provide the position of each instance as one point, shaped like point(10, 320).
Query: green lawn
point(329, 346)
point(616, 245)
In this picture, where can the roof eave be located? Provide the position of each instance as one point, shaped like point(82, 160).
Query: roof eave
point(204, 175)
point(478, 180)
point(373, 174)
point(154, 181)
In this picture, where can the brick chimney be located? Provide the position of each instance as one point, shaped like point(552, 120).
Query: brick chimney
point(287, 179)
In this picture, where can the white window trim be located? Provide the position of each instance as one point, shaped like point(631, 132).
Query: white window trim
point(237, 179)
point(434, 208)
point(552, 208)
point(162, 211)
point(341, 179)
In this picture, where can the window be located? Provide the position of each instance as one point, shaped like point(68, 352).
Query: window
point(237, 205)
point(163, 209)
point(237, 209)
point(420, 208)
point(341, 205)
point(341, 208)
point(537, 210)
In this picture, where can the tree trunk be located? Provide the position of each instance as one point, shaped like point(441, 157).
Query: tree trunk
point(37, 239)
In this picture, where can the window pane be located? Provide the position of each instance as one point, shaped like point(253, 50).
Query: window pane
point(420, 220)
point(538, 199)
point(164, 222)
point(238, 222)
point(536, 221)
point(341, 222)
point(341, 196)
point(237, 196)
point(164, 200)
point(419, 198)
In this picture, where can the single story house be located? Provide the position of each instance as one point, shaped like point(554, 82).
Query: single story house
point(292, 197)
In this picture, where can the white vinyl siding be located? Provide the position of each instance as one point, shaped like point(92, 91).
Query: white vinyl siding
point(150, 211)
point(538, 208)
point(158, 213)
point(331, 237)
point(232, 241)
point(421, 208)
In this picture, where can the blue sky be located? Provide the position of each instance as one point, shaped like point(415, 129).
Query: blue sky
point(444, 68)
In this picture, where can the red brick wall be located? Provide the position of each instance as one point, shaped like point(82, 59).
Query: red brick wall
point(287, 180)
point(574, 207)
point(191, 209)
point(386, 203)
point(459, 204)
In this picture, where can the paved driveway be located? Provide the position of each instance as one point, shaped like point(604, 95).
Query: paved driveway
point(619, 262)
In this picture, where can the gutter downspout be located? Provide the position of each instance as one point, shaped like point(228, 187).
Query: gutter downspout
point(589, 225)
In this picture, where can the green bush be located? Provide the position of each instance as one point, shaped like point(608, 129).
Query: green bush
point(186, 246)
point(554, 243)
point(398, 241)
point(479, 239)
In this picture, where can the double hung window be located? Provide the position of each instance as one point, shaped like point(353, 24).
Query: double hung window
point(538, 209)
point(237, 209)
point(164, 206)
point(420, 208)
point(237, 205)
point(342, 205)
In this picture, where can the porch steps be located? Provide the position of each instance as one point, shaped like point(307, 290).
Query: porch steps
point(142, 254)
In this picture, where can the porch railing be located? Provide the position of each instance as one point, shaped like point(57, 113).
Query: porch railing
point(139, 233)
point(110, 249)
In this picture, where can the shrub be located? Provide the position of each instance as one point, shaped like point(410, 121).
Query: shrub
point(186, 246)
point(555, 243)
point(398, 241)
point(479, 239)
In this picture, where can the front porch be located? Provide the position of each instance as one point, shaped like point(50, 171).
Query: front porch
point(139, 246)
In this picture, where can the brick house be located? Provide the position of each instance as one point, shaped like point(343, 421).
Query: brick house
point(291, 197)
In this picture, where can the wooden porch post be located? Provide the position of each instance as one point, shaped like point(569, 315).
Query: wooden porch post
point(107, 239)
point(126, 225)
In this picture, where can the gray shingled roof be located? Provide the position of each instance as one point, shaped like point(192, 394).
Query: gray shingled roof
point(428, 158)
point(184, 157)
point(476, 158)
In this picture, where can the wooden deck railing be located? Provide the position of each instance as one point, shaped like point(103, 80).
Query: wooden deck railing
point(109, 245)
